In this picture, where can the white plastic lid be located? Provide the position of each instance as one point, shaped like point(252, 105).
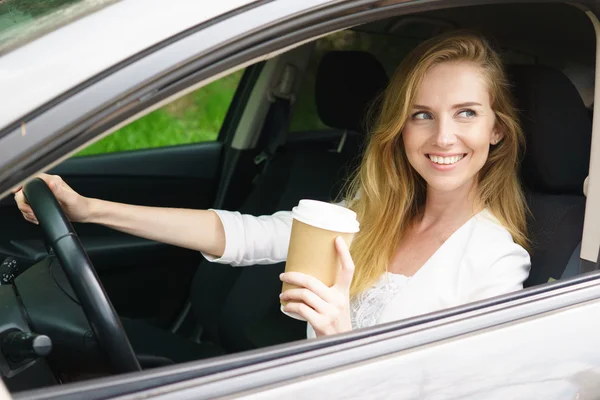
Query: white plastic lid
point(326, 216)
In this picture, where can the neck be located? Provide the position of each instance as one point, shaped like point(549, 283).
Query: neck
point(449, 207)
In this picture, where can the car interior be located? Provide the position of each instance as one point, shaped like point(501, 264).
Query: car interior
point(176, 307)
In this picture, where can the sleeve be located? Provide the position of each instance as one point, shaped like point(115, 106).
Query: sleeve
point(504, 272)
point(253, 240)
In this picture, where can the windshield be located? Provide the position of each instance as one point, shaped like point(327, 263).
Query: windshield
point(21, 21)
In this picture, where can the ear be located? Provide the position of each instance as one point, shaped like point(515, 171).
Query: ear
point(497, 136)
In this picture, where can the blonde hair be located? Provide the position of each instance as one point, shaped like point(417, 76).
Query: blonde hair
point(387, 193)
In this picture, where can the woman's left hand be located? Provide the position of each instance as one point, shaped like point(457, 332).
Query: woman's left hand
point(327, 309)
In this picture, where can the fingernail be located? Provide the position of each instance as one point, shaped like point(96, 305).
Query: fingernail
point(280, 295)
point(280, 276)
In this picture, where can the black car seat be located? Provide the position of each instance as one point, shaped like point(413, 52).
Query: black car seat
point(558, 131)
point(346, 83)
point(237, 307)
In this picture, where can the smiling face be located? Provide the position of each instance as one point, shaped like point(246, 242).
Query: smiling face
point(451, 126)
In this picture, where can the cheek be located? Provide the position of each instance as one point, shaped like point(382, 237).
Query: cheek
point(482, 154)
point(481, 149)
point(411, 142)
point(478, 139)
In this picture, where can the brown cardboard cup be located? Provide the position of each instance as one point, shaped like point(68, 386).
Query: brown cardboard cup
point(311, 249)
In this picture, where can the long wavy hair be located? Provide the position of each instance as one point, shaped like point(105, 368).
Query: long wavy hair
point(387, 193)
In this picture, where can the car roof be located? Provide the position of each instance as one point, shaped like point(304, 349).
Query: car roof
point(51, 65)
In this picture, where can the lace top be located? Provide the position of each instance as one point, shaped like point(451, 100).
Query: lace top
point(366, 307)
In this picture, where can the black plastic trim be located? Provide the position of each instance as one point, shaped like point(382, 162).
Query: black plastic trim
point(198, 160)
point(238, 103)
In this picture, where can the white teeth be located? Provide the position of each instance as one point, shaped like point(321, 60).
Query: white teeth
point(445, 160)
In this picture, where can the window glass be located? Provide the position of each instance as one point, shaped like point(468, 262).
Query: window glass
point(388, 50)
point(195, 117)
point(23, 20)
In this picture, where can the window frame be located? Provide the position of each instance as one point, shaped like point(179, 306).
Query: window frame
point(469, 318)
point(228, 122)
point(232, 374)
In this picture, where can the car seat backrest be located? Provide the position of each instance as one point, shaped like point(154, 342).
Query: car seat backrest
point(347, 83)
point(557, 130)
point(312, 169)
point(558, 135)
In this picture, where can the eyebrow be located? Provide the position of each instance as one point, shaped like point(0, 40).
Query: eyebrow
point(461, 105)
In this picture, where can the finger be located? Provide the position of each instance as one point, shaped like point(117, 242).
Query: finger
point(344, 278)
point(31, 216)
point(309, 282)
point(33, 220)
point(22, 204)
point(307, 297)
point(45, 177)
point(20, 198)
point(27, 213)
point(53, 181)
point(24, 208)
point(310, 315)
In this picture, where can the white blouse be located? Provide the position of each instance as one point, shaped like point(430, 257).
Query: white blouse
point(479, 260)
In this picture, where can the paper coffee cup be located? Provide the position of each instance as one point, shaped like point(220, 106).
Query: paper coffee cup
point(312, 251)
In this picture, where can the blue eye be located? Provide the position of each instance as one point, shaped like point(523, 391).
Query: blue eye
point(422, 115)
point(467, 113)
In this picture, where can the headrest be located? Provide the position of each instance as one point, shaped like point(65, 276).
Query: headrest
point(346, 83)
point(557, 128)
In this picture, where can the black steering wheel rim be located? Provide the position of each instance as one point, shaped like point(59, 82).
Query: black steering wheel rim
point(78, 268)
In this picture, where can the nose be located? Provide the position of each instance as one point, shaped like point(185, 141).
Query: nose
point(445, 135)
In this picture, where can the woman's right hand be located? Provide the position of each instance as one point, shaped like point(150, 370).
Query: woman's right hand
point(75, 206)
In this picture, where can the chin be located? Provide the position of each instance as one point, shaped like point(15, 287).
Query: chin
point(447, 184)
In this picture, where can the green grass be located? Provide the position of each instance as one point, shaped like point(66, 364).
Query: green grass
point(196, 117)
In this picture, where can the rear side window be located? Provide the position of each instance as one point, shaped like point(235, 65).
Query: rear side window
point(388, 50)
point(194, 118)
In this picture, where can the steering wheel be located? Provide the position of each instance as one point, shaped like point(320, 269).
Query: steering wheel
point(82, 276)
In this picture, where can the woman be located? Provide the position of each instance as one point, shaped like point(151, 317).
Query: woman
point(441, 210)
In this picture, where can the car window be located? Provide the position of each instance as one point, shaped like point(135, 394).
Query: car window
point(388, 50)
point(193, 118)
point(21, 21)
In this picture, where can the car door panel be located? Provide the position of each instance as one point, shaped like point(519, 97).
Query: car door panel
point(198, 160)
point(144, 279)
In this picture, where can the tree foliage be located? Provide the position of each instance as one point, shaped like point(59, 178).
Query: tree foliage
point(33, 8)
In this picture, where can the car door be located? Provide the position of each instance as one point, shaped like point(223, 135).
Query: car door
point(170, 158)
point(367, 363)
point(144, 279)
